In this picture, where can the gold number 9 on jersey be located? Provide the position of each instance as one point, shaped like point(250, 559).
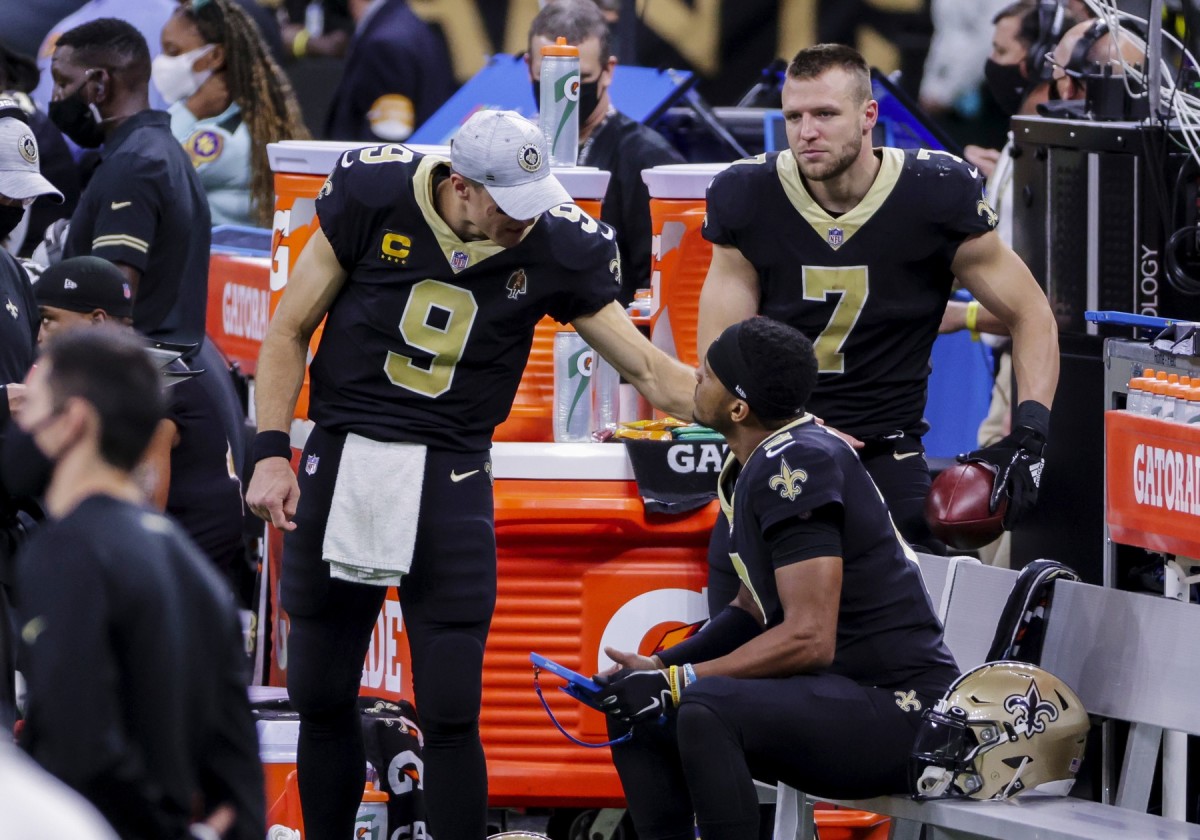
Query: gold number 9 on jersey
point(437, 319)
point(851, 285)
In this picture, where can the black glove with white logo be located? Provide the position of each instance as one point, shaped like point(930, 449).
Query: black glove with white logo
point(635, 696)
point(1017, 460)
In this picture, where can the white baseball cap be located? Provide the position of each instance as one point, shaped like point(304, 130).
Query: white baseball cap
point(20, 174)
point(507, 154)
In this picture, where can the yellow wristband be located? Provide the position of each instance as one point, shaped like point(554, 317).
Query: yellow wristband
point(971, 320)
point(300, 43)
point(673, 681)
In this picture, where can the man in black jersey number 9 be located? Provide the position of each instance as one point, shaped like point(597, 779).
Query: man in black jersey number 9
point(431, 274)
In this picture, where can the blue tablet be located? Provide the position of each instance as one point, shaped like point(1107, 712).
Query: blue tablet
point(584, 689)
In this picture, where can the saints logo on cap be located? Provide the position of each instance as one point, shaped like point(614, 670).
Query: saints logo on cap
point(28, 148)
point(530, 157)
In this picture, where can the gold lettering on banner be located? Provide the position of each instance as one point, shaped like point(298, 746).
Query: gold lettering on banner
point(694, 29)
point(797, 26)
point(877, 50)
point(897, 5)
point(516, 28)
point(466, 37)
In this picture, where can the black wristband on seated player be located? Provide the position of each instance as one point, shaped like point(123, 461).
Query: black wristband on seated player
point(1033, 415)
point(272, 444)
point(725, 632)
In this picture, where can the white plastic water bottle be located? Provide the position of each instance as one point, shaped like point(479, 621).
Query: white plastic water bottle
point(573, 367)
point(371, 822)
point(558, 110)
point(606, 395)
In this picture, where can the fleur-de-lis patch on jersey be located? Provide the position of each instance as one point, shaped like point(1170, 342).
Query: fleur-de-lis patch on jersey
point(984, 209)
point(907, 701)
point(789, 482)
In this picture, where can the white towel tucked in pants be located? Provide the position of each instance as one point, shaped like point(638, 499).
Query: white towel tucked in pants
point(372, 526)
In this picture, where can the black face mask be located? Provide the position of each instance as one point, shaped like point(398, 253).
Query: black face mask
point(10, 217)
point(589, 97)
point(1007, 85)
point(24, 468)
point(78, 119)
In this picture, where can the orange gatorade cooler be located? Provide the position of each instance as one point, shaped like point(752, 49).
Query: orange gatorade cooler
point(680, 255)
point(239, 298)
point(533, 408)
point(580, 565)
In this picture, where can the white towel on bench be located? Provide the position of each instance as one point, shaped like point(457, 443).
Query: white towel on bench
point(372, 526)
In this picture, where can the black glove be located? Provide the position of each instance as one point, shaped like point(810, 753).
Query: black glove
point(635, 696)
point(1017, 461)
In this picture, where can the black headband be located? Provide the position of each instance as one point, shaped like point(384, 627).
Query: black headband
point(727, 363)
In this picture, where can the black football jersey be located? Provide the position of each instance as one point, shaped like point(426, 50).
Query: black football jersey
point(888, 633)
point(868, 287)
point(427, 340)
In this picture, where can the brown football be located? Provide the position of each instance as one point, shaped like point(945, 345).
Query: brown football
point(957, 507)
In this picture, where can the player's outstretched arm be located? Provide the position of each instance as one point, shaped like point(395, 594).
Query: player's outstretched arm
point(667, 383)
point(730, 294)
point(1002, 283)
point(312, 286)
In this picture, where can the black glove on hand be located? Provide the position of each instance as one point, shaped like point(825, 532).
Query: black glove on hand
point(635, 696)
point(1017, 461)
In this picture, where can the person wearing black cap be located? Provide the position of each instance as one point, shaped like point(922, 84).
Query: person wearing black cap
point(21, 183)
point(817, 672)
point(190, 472)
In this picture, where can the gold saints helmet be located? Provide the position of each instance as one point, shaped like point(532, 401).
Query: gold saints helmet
point(1002, 728)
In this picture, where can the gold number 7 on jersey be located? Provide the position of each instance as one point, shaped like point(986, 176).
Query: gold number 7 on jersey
point(851, 285)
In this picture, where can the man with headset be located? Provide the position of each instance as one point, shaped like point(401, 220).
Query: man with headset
point(1085, 54)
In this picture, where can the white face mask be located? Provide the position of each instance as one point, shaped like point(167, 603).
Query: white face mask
point(173, 74)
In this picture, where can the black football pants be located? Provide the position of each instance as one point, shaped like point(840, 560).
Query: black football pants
point(446, 601)
point(820, 733)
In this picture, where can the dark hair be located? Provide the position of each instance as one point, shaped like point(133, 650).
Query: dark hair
point(575, 20)
point(814, 61)
point(112, 44)
point(783, 361)
point(1042, 24)
point(109, 368)
point(257, 84)
point(20, 71)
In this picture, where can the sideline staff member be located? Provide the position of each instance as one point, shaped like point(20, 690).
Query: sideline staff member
point(144, 208)
point(433, 273)
point(608, 139)
point(191, 462)
point(818, 670)
point(137, 696)
point(857, 248)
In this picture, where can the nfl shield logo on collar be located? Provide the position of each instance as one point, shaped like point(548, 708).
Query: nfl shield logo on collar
point(836, 235)
point(310, 466)
point(458, 260)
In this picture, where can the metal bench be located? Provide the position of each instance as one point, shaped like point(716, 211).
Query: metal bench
point(1129, 657)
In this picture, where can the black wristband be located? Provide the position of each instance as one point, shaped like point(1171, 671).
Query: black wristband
point(272, 444)
point(1035, 416)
